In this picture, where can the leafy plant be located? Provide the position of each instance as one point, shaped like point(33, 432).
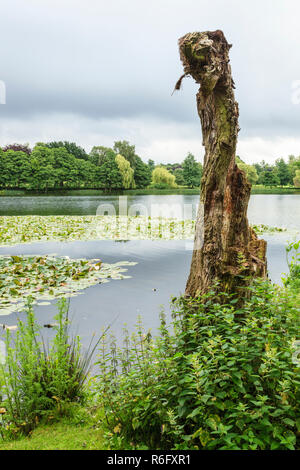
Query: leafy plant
point(223, 379)
point(293, 260)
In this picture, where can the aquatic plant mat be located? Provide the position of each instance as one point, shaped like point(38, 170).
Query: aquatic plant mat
point(29, 229)
point(47, 277)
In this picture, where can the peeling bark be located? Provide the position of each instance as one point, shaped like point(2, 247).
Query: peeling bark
point(226, 249)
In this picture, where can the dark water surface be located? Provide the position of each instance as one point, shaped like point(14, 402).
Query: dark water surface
point(162, 267)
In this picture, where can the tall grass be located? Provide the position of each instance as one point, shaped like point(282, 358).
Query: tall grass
point(41, 377)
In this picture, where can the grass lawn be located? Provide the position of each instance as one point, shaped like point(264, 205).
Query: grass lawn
point(59, 436)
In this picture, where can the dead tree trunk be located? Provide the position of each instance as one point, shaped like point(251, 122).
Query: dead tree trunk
point(226, 249)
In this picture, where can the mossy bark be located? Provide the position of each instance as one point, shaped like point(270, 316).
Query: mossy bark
point(226, 249)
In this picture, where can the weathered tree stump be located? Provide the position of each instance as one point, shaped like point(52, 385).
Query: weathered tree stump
point(226, 249)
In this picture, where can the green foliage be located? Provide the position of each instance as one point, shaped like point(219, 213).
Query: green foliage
point(192, 171)
point(97, 154)
point(293, 260)
point(297, 179)
point(15, 168)
point(283, 172)
point(250, 170)
point(46, 168)
point(41, 379)
point(64, 165)
point(179, 176)
point(126, 150)
point(109, 174)
point(142, 173)
point(224, 379)
point(71, 148)
point(269, 177)
point(42, 169)
point(162, 178)
point(151, 165)
point(126, 171)
point(294, 165)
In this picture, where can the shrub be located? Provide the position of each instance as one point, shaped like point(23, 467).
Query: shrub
point(224, 378)
point(40, 379)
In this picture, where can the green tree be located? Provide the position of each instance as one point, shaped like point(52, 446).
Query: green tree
point(142, 173)
point(162, 178)
point(126, 171)
point(191, 171)
point(17, 168)
point(151, 165)
point(71, 148)
point(294, 165)
point(283, 172)
point(42, 175)
point(297, 179)
point(124, 148)
point(250, 170)
point(269, 177)
point(260, 168)
point(179, 176)
point(3, 171)
point(86, 174)
point(109, 174)
point(65, 167)
point(97, 154)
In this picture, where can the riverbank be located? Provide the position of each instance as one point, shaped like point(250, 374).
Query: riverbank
point(274, 190)
point(67, 434)
point(82, 427)
point(137, 192)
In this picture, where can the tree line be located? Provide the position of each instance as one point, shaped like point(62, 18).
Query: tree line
point(65, 165)
point(59, 165)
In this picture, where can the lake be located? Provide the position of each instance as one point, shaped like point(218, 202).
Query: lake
point(162, 267)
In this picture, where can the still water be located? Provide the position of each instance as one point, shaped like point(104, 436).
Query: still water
point(162, 267)
point(270, 209)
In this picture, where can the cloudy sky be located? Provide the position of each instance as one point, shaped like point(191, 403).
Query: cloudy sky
point(96, 71)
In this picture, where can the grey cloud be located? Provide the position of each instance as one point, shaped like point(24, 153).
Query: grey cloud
point(105, 60)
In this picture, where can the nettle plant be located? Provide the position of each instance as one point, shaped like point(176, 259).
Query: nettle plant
point(223, 379)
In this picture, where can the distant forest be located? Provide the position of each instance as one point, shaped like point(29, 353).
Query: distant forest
point(65, 165)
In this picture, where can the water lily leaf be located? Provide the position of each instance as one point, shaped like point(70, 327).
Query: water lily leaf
point(47, 277)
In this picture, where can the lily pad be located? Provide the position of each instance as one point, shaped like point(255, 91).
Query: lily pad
point(46, 278)
point(28, 229)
